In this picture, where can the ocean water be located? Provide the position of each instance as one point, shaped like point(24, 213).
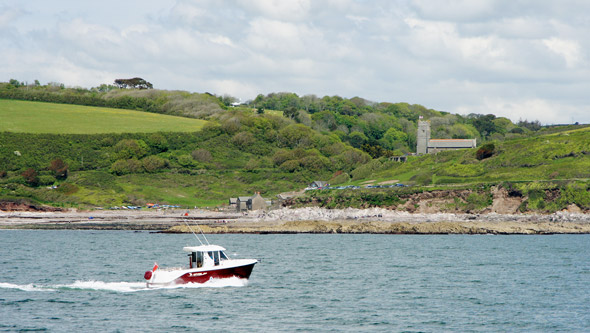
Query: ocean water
point(93, 281)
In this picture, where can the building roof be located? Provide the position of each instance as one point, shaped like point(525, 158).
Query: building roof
point(203, 248)
point(451, 143)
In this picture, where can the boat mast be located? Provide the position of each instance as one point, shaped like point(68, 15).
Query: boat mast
point(206, 240)
point(197, 237)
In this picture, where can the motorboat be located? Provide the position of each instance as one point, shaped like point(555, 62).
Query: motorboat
point(205, 262)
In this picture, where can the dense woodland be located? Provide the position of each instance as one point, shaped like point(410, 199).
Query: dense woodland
point(274, 143)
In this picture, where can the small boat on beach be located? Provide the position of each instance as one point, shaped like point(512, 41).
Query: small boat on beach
point(206, 262)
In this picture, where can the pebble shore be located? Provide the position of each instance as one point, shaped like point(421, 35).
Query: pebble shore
point(302, 220)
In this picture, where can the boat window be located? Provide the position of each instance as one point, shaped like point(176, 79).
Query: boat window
point(222, 255)
point(199, 259)
point(216, 259)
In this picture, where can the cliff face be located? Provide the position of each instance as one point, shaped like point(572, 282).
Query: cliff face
point(23, 206)
point(495, 199)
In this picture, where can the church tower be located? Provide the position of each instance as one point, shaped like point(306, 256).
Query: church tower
point(422, 137)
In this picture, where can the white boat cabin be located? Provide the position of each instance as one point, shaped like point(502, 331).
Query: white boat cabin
point(205, 255)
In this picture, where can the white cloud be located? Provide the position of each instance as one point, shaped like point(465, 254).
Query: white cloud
point(291, 10)
point(568, 49)
point(455, 10)
point(8, 15)
point(545, 111)
point(454, 55)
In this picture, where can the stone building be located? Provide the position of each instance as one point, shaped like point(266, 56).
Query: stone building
point(255, 202)
point(426, 145)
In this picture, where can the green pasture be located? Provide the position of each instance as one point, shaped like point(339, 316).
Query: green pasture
point(38, 117)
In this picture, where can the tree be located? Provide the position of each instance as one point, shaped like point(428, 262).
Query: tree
point(393, 136)
point(59, 168)
point(15, 83)
point(290, 112)
point(227, 100)
point(484, 124)
point(357, 139)
point(31, 177)
point(534, 125)
point(134, 83)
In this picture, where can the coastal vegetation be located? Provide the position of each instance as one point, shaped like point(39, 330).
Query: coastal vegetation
point(109, 146)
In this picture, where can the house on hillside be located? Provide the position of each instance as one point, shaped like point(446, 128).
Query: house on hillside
point(233, 203)
point(255, 202)
point(426, 145)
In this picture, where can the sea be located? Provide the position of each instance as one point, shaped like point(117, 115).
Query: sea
point(82, 281)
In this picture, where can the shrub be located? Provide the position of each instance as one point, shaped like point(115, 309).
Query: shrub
point(67, 188)
point(290, 166)
point(46, 180)
point(243, 140)
point(31, 177)
point(340, 178)
point(129, 148)
point(281, 156)
point(252, 165)
point(154, 163)
point(158, 143)
point(315, 162)
point(576, 194)
point(59, 168)
point(122, 167)
point(186, 161)
point(485, 151)
point(202, 155)
point(478, 201)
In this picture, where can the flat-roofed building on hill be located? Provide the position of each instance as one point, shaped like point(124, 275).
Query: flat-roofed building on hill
point(426, 145)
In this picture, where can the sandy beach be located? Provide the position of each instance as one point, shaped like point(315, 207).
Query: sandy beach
point(301, 220)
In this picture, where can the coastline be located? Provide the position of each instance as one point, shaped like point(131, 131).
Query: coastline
point(301, 220)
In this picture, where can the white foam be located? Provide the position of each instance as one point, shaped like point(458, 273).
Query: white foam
point(125, 287)
point(24, 287)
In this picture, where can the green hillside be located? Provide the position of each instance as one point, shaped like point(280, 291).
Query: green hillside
point(72, 155)
point(548, 157)
point(39, 117)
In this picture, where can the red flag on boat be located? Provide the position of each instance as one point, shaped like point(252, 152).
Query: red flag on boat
point(155, 267)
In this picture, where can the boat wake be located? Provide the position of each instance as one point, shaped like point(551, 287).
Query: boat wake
point(124, 287)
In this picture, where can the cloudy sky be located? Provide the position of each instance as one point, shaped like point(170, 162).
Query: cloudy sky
point(522, 59)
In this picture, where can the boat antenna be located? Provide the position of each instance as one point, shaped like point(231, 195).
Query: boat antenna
point(203, 234)
point(197, 237)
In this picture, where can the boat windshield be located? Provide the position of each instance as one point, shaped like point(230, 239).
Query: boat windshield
point(223, 256)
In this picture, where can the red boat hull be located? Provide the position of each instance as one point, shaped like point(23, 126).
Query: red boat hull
point(242, 272)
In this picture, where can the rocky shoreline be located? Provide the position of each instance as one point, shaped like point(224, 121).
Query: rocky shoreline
point(302, 220)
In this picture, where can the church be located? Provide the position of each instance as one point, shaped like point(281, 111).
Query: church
point(426, 145)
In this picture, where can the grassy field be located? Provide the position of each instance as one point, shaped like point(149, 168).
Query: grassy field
point(38, 117)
